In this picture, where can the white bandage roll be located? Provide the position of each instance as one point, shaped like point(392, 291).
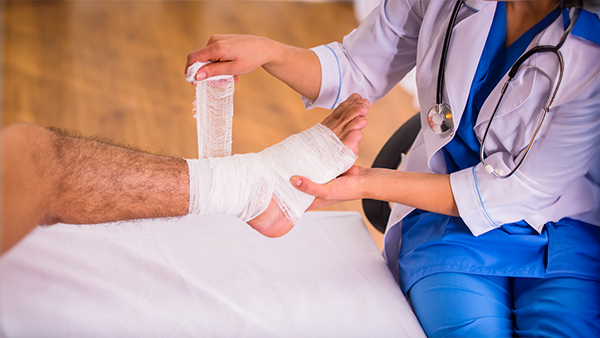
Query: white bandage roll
point(213, 110)
point(243, 185)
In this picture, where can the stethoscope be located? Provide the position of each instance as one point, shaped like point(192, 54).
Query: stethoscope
point(440, 118)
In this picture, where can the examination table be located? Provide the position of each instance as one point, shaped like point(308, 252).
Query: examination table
point(202, 276)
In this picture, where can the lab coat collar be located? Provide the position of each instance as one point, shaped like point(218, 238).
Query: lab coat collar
point(476, 5)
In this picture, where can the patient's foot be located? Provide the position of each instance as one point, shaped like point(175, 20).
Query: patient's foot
point(50, 176)
point(346, 122)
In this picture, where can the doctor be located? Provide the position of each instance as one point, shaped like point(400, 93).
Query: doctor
point(506, 247)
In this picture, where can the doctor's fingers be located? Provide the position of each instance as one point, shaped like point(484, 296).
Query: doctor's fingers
point(311, 188)
point(231, 55)
point(346, 187)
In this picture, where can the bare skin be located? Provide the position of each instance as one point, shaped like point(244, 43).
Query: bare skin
point(430, 192)
point(346, 122)
point(299, 68)
point(50, 176)
point(522, 15)
point(235, 56)
point(35, 193)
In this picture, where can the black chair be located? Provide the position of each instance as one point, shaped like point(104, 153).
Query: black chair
point(389, 157)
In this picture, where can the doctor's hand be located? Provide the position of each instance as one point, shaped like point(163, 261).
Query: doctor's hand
point(431, 192)
point(345, 187)
point(232, 55)
point(237, 55)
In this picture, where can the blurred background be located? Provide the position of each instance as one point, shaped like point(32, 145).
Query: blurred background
point(116, 69)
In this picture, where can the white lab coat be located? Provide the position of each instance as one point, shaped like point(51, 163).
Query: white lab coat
point(561, 175)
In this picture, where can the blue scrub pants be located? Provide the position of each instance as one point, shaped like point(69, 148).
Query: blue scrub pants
point(463, 305)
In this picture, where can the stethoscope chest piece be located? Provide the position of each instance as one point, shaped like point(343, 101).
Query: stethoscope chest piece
point(439, 118)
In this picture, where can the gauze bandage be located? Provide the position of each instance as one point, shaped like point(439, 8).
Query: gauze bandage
point(243, 185)
point(213, 110)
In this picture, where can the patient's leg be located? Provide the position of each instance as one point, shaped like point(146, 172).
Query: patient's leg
point(50, 177)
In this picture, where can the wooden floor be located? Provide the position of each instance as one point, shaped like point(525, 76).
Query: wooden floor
point(115, 69)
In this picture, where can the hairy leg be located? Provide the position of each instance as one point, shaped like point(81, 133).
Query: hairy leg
point(49, 176)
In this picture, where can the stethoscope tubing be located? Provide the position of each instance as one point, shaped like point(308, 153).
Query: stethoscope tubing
point(498, 172)
point(511, 75)
point(442, 68)
point(574, 14)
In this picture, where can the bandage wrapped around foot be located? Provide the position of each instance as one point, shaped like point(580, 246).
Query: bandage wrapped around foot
point(243, 185)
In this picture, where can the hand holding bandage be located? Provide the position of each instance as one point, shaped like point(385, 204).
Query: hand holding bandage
point(243, 185)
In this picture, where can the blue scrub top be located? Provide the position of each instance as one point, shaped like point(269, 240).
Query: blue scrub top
point(434, 243)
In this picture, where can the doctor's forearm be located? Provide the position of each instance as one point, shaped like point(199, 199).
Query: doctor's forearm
point(431, 192)
point(299, 68)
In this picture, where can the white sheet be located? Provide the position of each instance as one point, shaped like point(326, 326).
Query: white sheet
point(202, 276)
